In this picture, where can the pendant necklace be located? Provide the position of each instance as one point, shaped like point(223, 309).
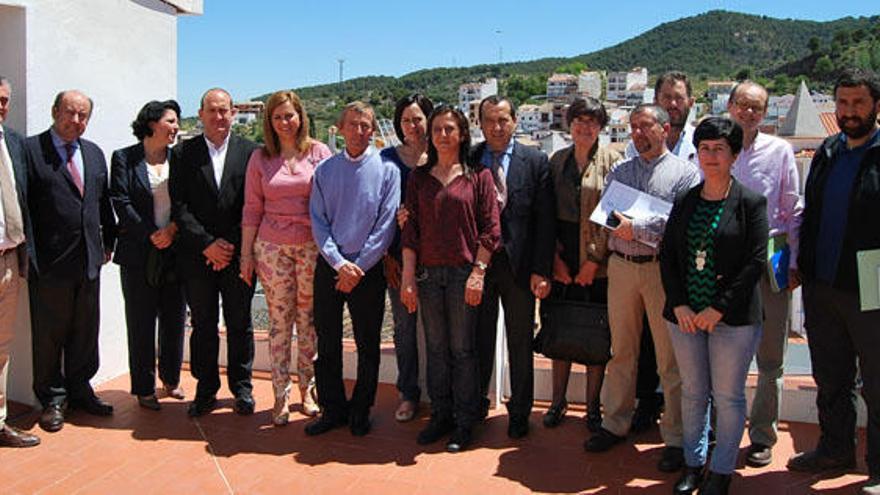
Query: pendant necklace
point(701, 254)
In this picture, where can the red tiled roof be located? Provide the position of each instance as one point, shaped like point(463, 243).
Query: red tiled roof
point(829, 121)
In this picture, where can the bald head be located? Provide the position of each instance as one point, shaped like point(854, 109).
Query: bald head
point(748, 105)
point(71, 112)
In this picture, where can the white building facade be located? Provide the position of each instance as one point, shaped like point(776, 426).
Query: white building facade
point(474, 92)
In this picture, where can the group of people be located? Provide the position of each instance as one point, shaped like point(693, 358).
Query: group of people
point(451, 232)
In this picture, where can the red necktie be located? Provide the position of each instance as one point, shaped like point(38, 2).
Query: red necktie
point(71, 167)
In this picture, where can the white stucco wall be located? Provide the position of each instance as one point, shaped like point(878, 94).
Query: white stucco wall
point(122, 53)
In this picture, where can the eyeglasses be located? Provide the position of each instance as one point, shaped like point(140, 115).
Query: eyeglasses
point(745, 106)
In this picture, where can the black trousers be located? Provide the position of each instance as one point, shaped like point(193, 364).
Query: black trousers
point(202, 294)
point(843, 340)
point(143, 305)
point(519, 321)
point(64, 324)
point(366, 305)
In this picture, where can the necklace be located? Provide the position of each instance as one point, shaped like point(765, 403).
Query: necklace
point(700, 254)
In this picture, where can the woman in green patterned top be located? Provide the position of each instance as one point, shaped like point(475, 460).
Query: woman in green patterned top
point(711, 259)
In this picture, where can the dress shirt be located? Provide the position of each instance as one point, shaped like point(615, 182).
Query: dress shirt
point(684, 148)
point(665, 177)
point(488, 155)
point(218, 157)
point(4, 242)
point(61, 149)
point(353, 205)
point(768, 168)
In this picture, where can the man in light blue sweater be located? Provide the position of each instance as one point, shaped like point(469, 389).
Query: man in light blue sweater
point(355, 196)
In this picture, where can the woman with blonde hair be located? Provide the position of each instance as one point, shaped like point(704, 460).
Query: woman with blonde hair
point(277, 243)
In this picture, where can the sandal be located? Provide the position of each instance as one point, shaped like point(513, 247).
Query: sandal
point(406, 411)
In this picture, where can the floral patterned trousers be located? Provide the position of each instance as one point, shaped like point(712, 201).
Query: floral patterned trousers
point(287, 273)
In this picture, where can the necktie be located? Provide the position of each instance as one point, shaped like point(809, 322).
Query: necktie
point(500, 180)
point(11, 210)
point(71, 167)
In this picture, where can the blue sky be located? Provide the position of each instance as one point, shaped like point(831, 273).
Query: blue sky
point(258, 46)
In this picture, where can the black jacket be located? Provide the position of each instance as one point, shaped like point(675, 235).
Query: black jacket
point(528, 221)
point(203, 211)
point(863, 217)
point(132, 200)
point(69, 233)
point(15, 144)
point(740, 254)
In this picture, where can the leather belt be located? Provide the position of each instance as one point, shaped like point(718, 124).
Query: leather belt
point(638, 258)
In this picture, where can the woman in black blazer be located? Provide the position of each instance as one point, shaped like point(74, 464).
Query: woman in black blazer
point(712, 256)
point(145, 253)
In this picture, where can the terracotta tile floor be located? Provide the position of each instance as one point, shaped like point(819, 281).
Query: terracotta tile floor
point(139, 451)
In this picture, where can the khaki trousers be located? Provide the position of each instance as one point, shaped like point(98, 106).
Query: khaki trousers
point(8, 303)
point(633, 289)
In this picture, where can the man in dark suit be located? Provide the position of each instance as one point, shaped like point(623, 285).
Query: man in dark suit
point(72, 232)
point(519, 272)
point(13, 255)
point(207, 196)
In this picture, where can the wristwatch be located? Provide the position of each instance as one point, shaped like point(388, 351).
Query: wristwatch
point(481, 265)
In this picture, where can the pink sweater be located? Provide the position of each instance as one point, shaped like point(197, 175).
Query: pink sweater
point(276, 200)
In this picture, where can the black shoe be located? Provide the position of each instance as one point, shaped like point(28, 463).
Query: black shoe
point(518, 427)
point(149, 402)
point(436, 429)
point(52, 418)
point(484, 408)
point(602, 441)
point(594, 421)
point(460, 439)
point(201, 406)
point(244, 404)
point(92, 405)
point(759, 455)
point(817, 462)
point(645, 417)
point(360, 424)
point(672, 460)
point(15, 438)
point(324, 424)
point(690, 480)
point(715, 484)
point(555, 414)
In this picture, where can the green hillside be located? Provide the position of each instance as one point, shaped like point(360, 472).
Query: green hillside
point(717, 44)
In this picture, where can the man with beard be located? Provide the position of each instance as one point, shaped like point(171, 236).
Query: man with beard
point(635, 288)
point(839, 220)
point(672, 92)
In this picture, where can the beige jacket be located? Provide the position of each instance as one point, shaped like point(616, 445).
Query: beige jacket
point(594, 238)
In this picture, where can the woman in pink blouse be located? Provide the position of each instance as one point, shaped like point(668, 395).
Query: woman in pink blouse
point(277, 242)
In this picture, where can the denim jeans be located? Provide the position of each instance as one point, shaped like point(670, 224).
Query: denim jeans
point(405, 347)
point(714, 365)
point(450, 336)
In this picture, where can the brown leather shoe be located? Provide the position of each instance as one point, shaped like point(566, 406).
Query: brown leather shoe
point(52, 418)
point(13, 437)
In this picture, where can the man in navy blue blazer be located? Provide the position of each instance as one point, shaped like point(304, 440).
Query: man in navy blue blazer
point(71, 235)
point(520, 270)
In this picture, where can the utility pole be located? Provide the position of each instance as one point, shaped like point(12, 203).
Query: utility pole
point(500, 48)
point(341, 63)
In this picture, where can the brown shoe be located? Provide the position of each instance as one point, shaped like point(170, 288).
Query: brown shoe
point(174, 390)
point(13, 437)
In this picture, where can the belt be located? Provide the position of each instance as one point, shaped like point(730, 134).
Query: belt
point(638, 258)
point(4, 252)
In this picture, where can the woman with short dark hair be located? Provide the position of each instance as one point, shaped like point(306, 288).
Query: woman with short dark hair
point(410, 124)
point(579, 265)
point(712, 256)
point(145, 252)
point(452, 231)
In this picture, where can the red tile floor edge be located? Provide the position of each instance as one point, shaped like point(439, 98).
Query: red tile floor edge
point(139, 451)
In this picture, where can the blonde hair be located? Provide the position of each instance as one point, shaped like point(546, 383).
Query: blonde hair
point(273, 145)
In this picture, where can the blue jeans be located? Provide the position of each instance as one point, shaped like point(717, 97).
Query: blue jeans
point(450, 336)
point(714, 365)
point(405, 347)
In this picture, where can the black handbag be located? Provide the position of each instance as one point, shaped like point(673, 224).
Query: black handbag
point(573, 330)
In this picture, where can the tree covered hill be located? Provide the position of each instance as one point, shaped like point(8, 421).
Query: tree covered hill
point(716, 44)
